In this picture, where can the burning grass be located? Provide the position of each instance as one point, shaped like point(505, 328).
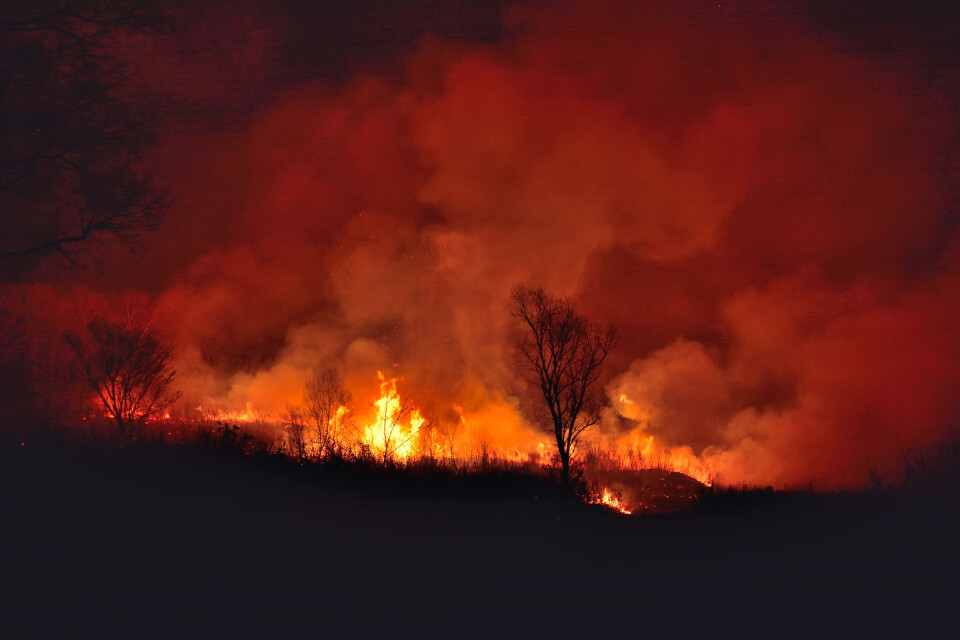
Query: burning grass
point(394, 439)
point(625, 490)
point(393, 442)
point(482, 473)
point(601, 478)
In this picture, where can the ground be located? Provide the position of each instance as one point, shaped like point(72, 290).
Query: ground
point(150, 543)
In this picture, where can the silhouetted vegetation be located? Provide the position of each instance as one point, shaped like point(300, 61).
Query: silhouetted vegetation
point(144, 523)
point(453, 477)
point(933, 471)
point(130, 371)
point(328, 406)
point(564, 353)
point(70, 171)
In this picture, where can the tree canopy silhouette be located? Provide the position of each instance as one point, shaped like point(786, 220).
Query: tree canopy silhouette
point(129, 369)
point(71, 143)
point(328, 409)
point(564, 353)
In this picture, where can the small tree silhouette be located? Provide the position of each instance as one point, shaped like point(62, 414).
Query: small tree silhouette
point(564, 353)
point(328, 408)
point(130, 371)
point(296, 432)
point(387, 437)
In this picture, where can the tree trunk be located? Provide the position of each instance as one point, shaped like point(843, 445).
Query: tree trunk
point(564, 466)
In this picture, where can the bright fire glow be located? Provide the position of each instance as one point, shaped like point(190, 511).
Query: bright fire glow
point(641, 451)
point(395, 429)
point(392, 435)
point(247, 414)
point(610, 499)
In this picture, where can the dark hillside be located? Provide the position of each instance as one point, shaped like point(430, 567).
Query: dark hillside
point(152, 542)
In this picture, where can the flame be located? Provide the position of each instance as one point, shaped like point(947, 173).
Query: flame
point(396, 423)
point(248, 414)
point(638, 450)
point(609, 498)
point(395, 429)
point(133, 415)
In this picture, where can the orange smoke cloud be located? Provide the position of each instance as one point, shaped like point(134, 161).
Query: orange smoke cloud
point(763, 211)
point(820, 383)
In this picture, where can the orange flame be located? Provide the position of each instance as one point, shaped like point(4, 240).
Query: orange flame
point(396, 423)
point(610, 499)
point(395, 429)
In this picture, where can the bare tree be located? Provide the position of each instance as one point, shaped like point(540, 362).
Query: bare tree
point(387, 437)
point(564, 353)
point(328, 408)
point(436, 437)
point(70, 139)
point(296, 432)
point(449, 427)
point(129, 369)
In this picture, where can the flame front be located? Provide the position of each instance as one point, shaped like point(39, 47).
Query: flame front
point(394, 429)
point(639, 450)
point(247, 414)
point(392, 435)
point(610, 499)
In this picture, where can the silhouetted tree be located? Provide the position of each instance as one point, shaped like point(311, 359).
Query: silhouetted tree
point(386, 436)
point(296, 432)
point(328, 408)
point(70, 142)
point(564, 353)
point(448, 427)
point(129, 369)
point(437, 436)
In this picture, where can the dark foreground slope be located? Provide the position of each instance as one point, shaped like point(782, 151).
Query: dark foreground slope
point(160, 543)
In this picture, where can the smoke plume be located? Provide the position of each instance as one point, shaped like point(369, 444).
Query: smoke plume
point(765, 210)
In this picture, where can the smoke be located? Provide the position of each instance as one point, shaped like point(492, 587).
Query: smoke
point(819, 383)
point(765, 212)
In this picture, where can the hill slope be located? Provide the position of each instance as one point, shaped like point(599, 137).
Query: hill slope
point(152, 543)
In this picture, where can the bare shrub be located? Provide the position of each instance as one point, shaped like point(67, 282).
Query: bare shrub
point(130, 371)
point(328, 409)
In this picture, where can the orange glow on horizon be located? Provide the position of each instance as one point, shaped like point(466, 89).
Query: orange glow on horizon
point(395, 429)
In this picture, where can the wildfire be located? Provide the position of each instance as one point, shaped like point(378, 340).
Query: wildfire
point(247, 414)
point(395, 429)
point(642, 451)
point(393, 432)
point(106, 412)
point(610, 499)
